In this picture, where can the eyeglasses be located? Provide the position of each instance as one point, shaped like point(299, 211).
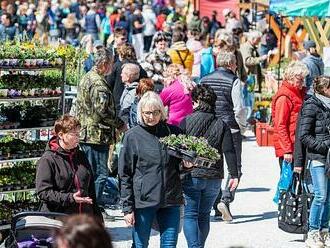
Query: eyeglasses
point(153, 113)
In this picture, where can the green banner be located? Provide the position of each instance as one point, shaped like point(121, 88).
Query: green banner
point(320, 8)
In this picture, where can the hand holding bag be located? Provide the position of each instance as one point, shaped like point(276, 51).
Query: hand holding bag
point(293, 207)
point(285, 180)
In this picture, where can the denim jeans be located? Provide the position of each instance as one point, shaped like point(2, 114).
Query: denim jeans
point(319, 212)
point(226, 195)
point(168, 221)
point(200, 195)
point(97, 156)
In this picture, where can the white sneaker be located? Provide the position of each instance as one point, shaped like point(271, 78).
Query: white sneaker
point(325, 236)
point(314, 240)
point(225, 211)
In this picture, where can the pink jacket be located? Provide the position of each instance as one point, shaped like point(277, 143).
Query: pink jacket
point(179, 104)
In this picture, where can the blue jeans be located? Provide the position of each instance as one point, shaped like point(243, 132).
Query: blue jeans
point(200, 195)
point(319, 212)
point(226, 195)
point(97, 156)
point(168, 220)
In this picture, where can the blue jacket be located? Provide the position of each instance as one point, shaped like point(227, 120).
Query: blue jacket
point(207, 61)
point(315, 67)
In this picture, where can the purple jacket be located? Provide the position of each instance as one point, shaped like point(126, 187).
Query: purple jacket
point(179, 104)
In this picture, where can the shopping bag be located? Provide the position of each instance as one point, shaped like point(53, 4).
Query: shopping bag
point(293, 207)
point(285, 179)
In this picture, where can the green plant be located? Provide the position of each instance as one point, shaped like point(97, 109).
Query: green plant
point(192, 143)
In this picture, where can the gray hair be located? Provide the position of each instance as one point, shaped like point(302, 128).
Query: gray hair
point(133, 70)
point(225, 59)
point(102, 56)
point(152, 100)
point(253, 35)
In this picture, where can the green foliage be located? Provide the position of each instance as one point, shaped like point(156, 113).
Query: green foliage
point(192, 143)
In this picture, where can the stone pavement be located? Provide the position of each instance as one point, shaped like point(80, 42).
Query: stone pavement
point(255, 215)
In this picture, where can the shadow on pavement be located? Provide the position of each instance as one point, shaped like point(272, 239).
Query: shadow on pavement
point(124, 233)
point(256, 217)
point(253, 190)
point(120, 233)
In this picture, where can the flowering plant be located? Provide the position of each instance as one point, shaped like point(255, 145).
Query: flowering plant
point(199, 145)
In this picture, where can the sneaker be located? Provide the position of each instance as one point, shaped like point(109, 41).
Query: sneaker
point(325, 237)
point(225, 211)
point(217, 215)
point(314, 240)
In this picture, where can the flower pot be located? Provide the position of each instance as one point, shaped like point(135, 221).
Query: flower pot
point(31, 92)
point(33, 63)
point(46, 63)
point(40, 62)
point(3, 92)
point(13, 62)
point(27, 62)
point(45, 92)
point(58, 61)
point(25, 93)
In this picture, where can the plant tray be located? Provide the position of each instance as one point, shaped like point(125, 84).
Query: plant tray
point(183, 154)
point(204, 162)
point(15, 187)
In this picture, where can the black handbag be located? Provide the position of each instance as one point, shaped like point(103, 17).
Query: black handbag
point(293, 207)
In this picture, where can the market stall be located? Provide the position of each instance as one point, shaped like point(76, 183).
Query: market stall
point(33, 83)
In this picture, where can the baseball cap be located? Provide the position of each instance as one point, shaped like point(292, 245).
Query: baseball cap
point(309, 44)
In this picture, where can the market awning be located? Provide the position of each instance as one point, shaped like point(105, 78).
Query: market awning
point(320, 8)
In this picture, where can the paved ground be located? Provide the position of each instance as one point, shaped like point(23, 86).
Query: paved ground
point(255, 215)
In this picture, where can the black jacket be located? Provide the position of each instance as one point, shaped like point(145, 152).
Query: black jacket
point(149, 176)
point(206, 124)
point(59, 175)
point(313, 129)
point(221, 81)
point(115, 82)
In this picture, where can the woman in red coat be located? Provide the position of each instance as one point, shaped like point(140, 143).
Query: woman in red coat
point(286, 105)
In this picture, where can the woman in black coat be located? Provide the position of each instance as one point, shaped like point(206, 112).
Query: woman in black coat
point(202, 186)
point(64, 180)
point(314, 134)
point(150, 182)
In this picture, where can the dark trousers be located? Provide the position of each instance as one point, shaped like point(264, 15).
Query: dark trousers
point(97, 156)
point(226, 195)
point(147, 43)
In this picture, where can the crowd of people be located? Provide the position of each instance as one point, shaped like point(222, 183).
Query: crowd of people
point(152, 72)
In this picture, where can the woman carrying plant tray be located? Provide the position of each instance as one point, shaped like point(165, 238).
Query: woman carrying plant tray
point(150, 181)
point(202, 185)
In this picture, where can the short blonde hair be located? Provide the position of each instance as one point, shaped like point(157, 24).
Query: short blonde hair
point(152, 100)
point(294, 69)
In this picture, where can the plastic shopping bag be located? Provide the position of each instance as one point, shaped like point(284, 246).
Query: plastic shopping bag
point(285, 180)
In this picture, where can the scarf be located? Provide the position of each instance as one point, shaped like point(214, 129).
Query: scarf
point(324, 99)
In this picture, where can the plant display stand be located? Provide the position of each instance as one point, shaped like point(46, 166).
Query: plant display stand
point(31, 99)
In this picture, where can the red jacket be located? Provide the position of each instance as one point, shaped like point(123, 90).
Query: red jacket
point(286, 105)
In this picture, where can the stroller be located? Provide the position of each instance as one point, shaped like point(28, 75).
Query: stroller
point(32, 230)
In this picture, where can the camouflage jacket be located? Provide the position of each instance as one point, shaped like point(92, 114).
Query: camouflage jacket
point(96, 110)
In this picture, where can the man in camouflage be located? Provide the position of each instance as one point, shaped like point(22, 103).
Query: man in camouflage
point(97, 115)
